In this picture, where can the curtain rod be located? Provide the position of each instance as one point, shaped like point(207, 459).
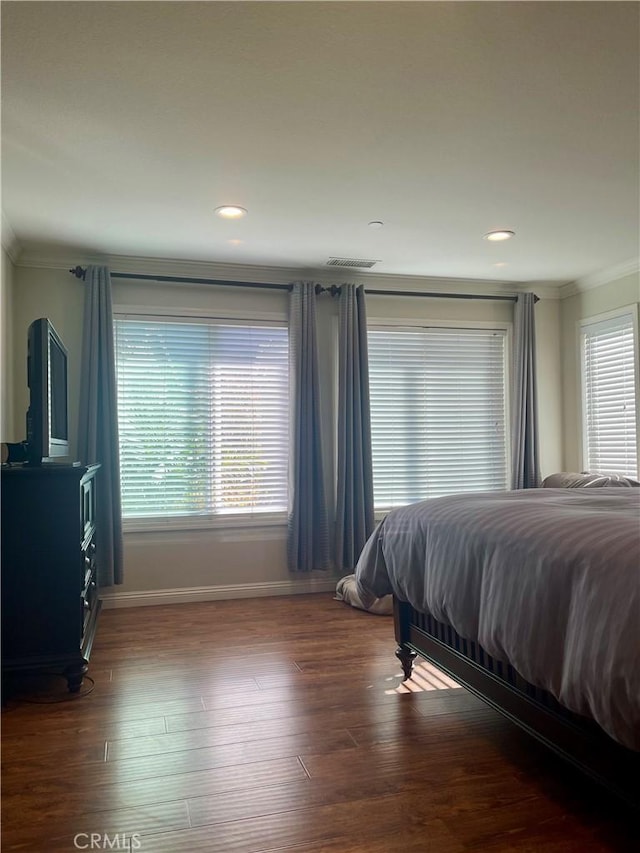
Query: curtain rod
point(80, 272)
point(333, 289)
point(435, 295)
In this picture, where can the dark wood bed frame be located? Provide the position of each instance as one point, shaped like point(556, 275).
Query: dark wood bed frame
point(575, 738)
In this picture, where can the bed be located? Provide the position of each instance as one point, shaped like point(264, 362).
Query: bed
point(530, 599)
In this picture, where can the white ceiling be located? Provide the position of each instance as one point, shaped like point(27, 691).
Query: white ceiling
point(125, 124)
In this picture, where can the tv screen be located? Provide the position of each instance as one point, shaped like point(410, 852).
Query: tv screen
point(57, 388)
point(47, 418)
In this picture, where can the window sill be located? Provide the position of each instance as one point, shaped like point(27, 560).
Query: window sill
point(156, 525)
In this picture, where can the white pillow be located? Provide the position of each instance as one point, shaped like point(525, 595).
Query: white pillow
point(347, 591)
point(568, 480)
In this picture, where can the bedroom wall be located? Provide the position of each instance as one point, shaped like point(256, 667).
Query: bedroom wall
point(580, 306)
point(7, 430)
point(165, 566)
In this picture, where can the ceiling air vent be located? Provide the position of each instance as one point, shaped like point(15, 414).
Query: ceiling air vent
point(350, 262)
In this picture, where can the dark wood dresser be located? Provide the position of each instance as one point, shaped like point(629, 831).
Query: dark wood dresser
point(50, 601)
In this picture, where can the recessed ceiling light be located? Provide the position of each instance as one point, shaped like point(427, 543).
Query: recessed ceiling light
point(501, 264)
point(375, 224)
point(496, 236)
point(234, 242)
point(231, 211)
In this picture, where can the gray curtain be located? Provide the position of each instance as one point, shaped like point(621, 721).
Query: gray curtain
point(307, 528)
point(354, 499)
point(98, 422)
point(525, 463)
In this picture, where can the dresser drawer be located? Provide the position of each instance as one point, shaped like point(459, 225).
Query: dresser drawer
point(88, 564)
point(87, 506)
point(88, 602)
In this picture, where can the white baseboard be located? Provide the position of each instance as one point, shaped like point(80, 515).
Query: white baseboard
point(144, 598)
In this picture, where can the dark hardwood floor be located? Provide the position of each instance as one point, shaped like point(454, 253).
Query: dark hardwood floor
point(279, 724)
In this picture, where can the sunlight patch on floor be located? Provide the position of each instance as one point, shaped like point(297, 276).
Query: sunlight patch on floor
point(424, 677)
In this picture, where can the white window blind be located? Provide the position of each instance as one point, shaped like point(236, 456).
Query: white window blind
point(437, 412)
point(609, 364)
point(203, 417)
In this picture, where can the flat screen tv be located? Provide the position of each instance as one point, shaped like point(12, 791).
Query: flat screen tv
point(47, 417)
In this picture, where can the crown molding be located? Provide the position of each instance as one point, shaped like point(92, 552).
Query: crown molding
point(137, 265)
point(9, 240)
point(599, 278)
point(140, 265)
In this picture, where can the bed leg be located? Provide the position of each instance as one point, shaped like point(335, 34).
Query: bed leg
point(406, 657)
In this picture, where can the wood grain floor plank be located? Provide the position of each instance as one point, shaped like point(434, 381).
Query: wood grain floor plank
point(331, 692)
point(105, 713)
point(333, 824)
point(29, 738)
point(432, 730)
point(258, 730)
point(157, 790)
point(307, 705)
point(226, 806)
point(353, 671)
point(165, 764)
point(179, 687)
point(143, 820)
point(407, 840)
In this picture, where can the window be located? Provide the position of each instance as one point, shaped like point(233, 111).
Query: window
point(437, 412)
point(609, 381)
point(203, 417)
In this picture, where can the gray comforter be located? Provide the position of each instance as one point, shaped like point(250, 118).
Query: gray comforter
point(546, 579)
